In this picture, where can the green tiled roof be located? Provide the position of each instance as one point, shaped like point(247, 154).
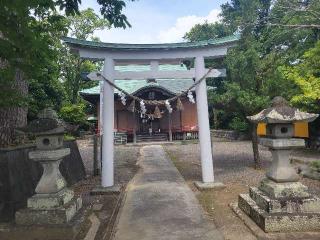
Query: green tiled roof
point(125, 46)
point(173, 86)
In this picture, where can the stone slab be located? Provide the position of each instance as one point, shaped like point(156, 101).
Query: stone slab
point(285, 205)
point(201, 186)
point(60, 215)
point(282, 143)
point(279, 222)
point(49, 155)
point(116, 189)
point(49, 201)
point(283, 190)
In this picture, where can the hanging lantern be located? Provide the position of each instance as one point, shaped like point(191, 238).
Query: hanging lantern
point(179, 105)
point(157, 113)
point(132, 106)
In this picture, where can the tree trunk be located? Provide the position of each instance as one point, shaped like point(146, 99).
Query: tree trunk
point(14, 116)
point(255, 147)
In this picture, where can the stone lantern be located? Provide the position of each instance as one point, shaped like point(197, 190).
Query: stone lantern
point(281, 203)
point(53, 202)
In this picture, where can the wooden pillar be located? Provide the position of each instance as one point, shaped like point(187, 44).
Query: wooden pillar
point(107, 173)
point(170, 127)
point(215, 118)
point(184, 136)
point(134, 127)
point(203, 123)
point(96, 170)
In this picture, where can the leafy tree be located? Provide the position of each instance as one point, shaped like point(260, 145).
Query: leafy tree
point(28, 33)
point(207, 31)
point(72, 113)
point(264, 62)
point(306, 75)
point(82, 27)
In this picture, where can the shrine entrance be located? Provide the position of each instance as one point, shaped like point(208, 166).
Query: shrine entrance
point(153, 58)
point(149, 126)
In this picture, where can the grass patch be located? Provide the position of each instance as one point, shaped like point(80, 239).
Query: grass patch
point(206, 200)
point(315, 165)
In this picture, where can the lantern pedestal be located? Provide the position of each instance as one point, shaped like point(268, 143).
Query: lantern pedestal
point(53, 203)
point(281, 169)
point(281, 203)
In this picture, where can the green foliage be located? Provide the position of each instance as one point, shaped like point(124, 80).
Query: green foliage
point(261, 66)
point(315, 165)
point(30, 31)
point(239, 124)
point(73, 113)
point(68, 137)
point(207, 31)
point(306, 75)
point(83, 25)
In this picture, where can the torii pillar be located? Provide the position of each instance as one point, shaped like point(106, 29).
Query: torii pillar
point(153, 54)
point(204, 129)
point(107, 170)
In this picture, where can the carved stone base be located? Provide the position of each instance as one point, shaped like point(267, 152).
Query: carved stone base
point(279, 222)
point(58, 215)
point(282, 207)
point(49, 201)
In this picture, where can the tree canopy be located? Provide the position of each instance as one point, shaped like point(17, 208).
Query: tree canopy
point(277, 55)
point(29, 31)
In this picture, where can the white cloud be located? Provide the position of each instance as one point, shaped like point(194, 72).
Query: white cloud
point(184, 25)
point(160, 28)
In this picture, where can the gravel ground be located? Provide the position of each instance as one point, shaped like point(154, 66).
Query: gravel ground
point(233, 162)
point(233, 165)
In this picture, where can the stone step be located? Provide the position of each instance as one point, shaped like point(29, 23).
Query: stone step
point(292, 205)
point(278, 222)
point(60, 215)
point(152, 138)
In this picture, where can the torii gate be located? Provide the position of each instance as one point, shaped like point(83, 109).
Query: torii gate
point(154, 54)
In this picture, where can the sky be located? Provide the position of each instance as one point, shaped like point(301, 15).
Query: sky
point(159, 21)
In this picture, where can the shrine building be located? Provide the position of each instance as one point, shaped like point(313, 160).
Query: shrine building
point(181, 124)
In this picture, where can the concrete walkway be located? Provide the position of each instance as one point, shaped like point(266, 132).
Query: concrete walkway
point(160, 205)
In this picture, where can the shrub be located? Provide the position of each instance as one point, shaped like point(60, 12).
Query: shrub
point(239, 124)
point(73, 114)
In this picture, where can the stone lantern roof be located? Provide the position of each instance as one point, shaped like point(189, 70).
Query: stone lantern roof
point(281, 112)
point(47, 123)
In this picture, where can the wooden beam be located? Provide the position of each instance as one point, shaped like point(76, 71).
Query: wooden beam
point(157, 75)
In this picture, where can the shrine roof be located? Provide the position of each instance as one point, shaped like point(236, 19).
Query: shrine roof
point(126, 46)
point(173, 86)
